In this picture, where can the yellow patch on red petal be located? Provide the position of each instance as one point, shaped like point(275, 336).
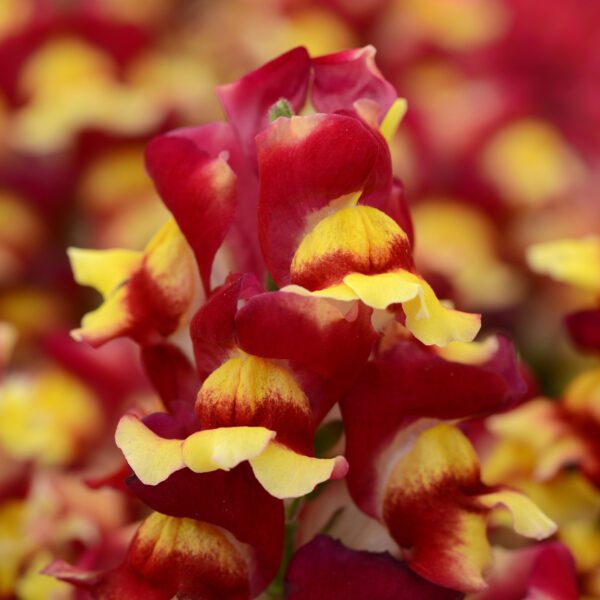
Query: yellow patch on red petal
point(356, 239)
point(439, 451)
point(429, 510)
point(189, 556)
point(242, 385)
point(254, 391)
point(224, 448)
point(574, 261)
point(287, 474)
point(152, 458)
point(170, 263)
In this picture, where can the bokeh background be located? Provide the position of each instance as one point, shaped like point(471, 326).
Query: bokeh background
point(500, 149)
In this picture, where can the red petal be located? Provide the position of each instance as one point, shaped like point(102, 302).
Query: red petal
point(247, 101)
point(544, 570)
point(584, 329)
point(344, 77)
point(197, 185)
point(213, 327)
point(171, 373)
point(325, 569)
point(307, 330)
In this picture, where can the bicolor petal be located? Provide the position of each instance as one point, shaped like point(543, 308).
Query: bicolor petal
point(103, 270)
point(302, 180)
point(257, 392)
point(410, 384)
point(146, 294)
point(283, 472)
point(168, 557)
point(355, 239)
point(361, 248)
point(192, 174)
point(436, 507)
point(188, 556)
point(428, 319)
point(232, 500)
point(309, 331)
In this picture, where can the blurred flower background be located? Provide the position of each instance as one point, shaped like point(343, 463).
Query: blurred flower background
point(499, 151)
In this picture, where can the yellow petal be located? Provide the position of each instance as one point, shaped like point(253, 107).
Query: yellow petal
point(470, 353)
point(575, 261)
point(108, 320)
point(433, 323)
point(379, 291)
point(47, 417)
point(393, 118)
point(224, 447)
point(152, 458)
point(426, 317)
point(103, 270)
point(286, 474)
point(530, 162)
point(528, 519)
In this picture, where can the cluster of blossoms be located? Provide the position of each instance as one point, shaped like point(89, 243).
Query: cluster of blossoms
point(286, 392)
point(295, 193)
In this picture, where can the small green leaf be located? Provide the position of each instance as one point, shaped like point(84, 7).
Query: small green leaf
point(281, 108)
